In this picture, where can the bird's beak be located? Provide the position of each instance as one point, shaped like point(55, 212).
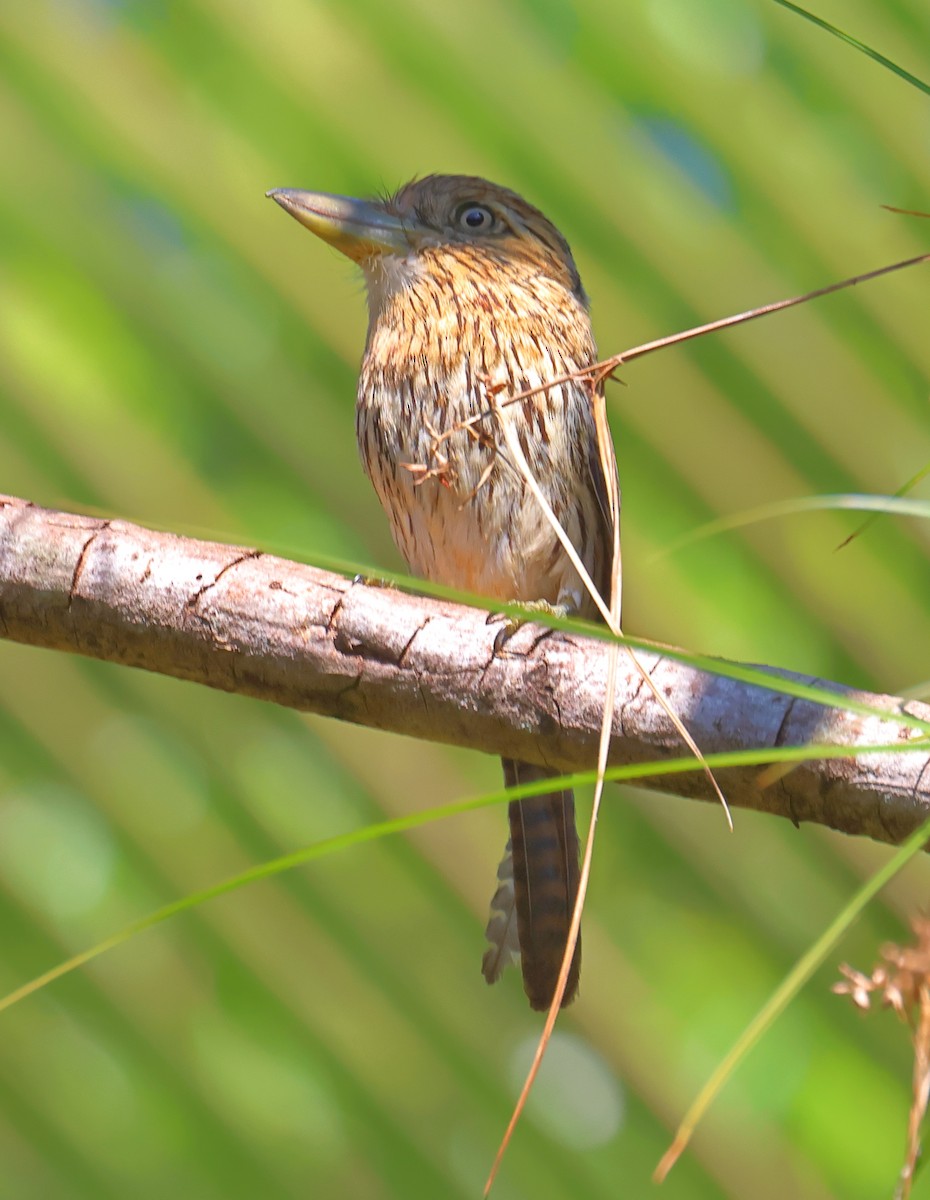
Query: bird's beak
point(359, 228)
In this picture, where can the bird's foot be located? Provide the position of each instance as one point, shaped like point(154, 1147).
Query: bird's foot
point(510, 625)
point(376, 581)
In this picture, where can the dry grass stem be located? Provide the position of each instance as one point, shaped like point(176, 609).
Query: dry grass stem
point(902, 981)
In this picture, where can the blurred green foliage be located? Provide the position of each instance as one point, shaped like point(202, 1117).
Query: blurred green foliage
point(173, 350)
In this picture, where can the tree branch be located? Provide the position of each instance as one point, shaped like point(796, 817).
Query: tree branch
point(247, 622)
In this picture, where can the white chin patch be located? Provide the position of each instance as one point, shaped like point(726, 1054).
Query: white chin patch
point(387, 274)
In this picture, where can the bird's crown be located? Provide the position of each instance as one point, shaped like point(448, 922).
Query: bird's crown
point(466, 210)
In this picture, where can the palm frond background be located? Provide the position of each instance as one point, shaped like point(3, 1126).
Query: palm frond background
point(174, 351)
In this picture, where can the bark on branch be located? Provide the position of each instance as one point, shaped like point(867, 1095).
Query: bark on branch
point(247, 622)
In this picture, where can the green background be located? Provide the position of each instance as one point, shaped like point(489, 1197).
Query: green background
point(174, 350)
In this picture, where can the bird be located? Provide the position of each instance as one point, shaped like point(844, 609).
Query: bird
point(473, 296)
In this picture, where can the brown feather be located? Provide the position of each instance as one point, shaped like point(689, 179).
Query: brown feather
point(545, 877)
point(501, 931)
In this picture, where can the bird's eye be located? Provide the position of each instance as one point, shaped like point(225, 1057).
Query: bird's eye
point(475, 218)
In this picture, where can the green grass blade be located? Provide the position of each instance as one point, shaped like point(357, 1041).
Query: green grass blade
point(895, 505)
point(785, 993)
point(381, 829)
point(906, 487)
point(857, 45)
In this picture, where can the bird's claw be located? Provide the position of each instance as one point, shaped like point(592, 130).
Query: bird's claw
point(376, 581)
point(510, 625)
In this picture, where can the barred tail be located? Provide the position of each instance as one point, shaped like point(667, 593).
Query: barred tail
point(538, 885)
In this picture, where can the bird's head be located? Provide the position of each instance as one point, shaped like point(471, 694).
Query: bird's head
point(458, 228)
